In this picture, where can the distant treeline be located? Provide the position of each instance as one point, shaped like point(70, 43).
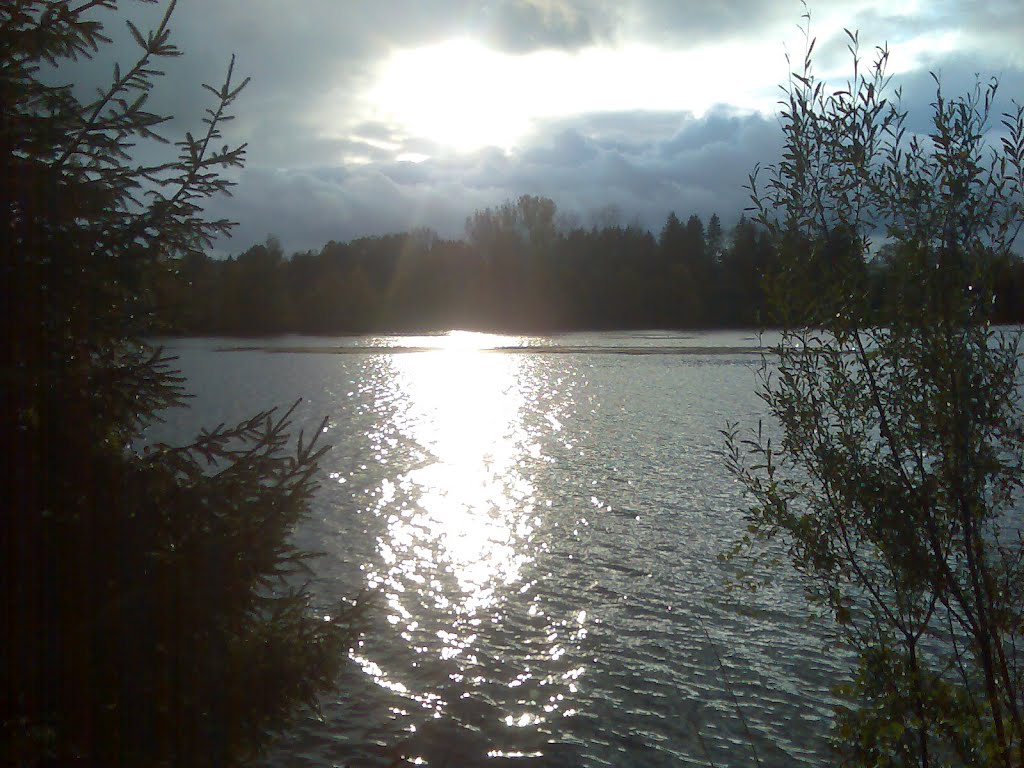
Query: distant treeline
point(516, 270)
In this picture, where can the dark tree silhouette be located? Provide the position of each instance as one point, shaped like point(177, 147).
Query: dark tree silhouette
point(151, 607)
point(516, 271)
point(894, 480)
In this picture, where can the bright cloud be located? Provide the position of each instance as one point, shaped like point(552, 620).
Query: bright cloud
point(464, 96)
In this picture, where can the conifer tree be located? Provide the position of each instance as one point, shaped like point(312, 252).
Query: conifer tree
point(154, 609)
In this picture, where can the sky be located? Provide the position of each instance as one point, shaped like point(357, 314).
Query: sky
point(365, 117)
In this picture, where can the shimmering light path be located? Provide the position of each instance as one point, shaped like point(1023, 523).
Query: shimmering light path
point(460, 530)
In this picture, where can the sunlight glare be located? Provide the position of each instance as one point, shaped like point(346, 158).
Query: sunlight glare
point(464, 96)
point(472, 499)
point(459, 95)
point(470, 510)
point(460, 526)
point(456, 93)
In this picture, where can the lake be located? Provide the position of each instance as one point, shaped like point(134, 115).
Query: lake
point(540, 518)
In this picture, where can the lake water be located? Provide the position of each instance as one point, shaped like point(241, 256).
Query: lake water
point(540, 518)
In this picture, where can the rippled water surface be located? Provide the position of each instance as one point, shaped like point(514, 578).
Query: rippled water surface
point(540, 518)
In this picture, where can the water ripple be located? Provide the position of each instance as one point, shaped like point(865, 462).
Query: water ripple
point(542, 530)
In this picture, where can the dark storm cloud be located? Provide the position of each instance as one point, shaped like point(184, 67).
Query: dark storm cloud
point(585, 164)
point(957, 76)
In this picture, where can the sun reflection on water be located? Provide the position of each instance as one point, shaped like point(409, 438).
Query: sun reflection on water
point(458, 519)
point(472, 507)
point(464, 434)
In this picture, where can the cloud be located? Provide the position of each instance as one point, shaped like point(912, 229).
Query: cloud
point(527, 25)
point(584, 164)
point(957, 75)
point(323, 164)
point(691, 22)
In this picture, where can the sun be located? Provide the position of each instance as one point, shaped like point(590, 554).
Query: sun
point(457, 94)
point(461, 95)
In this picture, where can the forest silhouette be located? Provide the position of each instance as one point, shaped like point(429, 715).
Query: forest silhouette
point(516, 270)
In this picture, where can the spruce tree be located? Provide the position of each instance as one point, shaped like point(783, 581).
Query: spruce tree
point(153, 607)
